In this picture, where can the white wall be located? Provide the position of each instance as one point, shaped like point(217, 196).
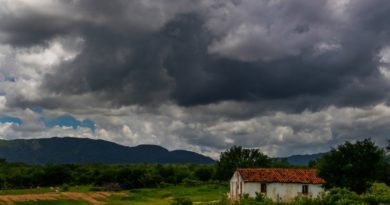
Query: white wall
point(236, 186)
point(288, 191)
point(282, 191)
point(252, 188)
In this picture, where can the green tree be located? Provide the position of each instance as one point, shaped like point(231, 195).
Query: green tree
point(352, 165)
point(238, 157)
point(204, 173)
point(386, 175)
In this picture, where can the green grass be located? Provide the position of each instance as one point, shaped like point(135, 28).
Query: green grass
point(53, 202)
point(25, 191)
point(163, 196)
point(42, 190)
point(80, 189)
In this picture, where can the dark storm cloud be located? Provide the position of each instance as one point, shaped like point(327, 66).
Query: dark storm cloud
point(127, 59)
point(32, 30)
point(120, 69)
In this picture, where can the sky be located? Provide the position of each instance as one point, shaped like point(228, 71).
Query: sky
point(285, 76)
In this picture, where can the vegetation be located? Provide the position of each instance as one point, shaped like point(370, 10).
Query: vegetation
point(106, 177)
point(236, 157)
point(172, 194)
point(377, 194)
point(353, 166)
point(103, 177)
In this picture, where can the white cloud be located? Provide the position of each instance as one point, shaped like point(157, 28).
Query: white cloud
point(277, 134)
point(384, 59)
point(255, 30)
point(52, 55)
point(29, 66)
point(3, 101)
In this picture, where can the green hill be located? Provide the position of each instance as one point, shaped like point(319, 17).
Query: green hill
point(82, 150)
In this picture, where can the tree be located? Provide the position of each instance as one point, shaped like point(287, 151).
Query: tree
point(238, 157)
point(386, 173)
point(56, 175)
point(204, 173)
point(354, 166)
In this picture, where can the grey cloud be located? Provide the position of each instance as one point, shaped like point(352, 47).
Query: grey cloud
point(124, 64)
point(210, 73)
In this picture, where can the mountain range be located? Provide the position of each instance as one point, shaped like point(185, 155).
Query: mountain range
point(68, 150)
point(302, 159)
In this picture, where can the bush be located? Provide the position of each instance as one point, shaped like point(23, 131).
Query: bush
point(112, 187)
point(342, 196)
point(65, 187)
point(2, 182)
point(181, 201)
point(204, 173)
point(190, 182)
point(377, 194)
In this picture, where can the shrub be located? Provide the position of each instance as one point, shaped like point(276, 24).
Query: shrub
point(378, 193)
point(112, 187)
point(342, 196)
point(204, 173)
point(191, 182)
point(181, 201)
point(65, 187)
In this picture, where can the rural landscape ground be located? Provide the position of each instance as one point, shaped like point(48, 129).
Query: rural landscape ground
point(199, 194)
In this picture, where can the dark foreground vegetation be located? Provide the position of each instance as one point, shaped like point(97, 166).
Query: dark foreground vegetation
point(105, 177)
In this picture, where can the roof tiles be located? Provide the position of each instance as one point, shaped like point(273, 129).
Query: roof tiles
point(304, 176)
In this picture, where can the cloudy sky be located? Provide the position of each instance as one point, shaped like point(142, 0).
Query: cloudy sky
point(286, 76)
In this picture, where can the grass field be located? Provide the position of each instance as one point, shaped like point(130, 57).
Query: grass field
point(163, 196)
point(146, 196)
point(42, 190)
point(25, 191)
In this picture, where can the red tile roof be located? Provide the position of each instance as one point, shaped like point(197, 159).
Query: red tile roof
point(304, 176)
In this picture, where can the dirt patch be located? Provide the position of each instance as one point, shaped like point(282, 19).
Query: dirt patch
point(95, 198)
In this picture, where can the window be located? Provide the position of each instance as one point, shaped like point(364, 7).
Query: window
point(305, 189)
point(263, 188)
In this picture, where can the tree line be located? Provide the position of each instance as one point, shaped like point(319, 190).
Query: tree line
point(17, 175)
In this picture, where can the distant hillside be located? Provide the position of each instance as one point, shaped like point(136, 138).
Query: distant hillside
point(302, 160)
point(82, 150)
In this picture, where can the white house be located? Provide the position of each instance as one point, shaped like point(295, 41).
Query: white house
point(276, 183)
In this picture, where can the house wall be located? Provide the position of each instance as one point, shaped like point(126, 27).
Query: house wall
point(252, 188)
point(282, 191)
point(236, 186)
point(288, 191)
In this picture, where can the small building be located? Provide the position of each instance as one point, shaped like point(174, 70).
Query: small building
point(276, 183)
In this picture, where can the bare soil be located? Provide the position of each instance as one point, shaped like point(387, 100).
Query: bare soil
point(95, 198)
